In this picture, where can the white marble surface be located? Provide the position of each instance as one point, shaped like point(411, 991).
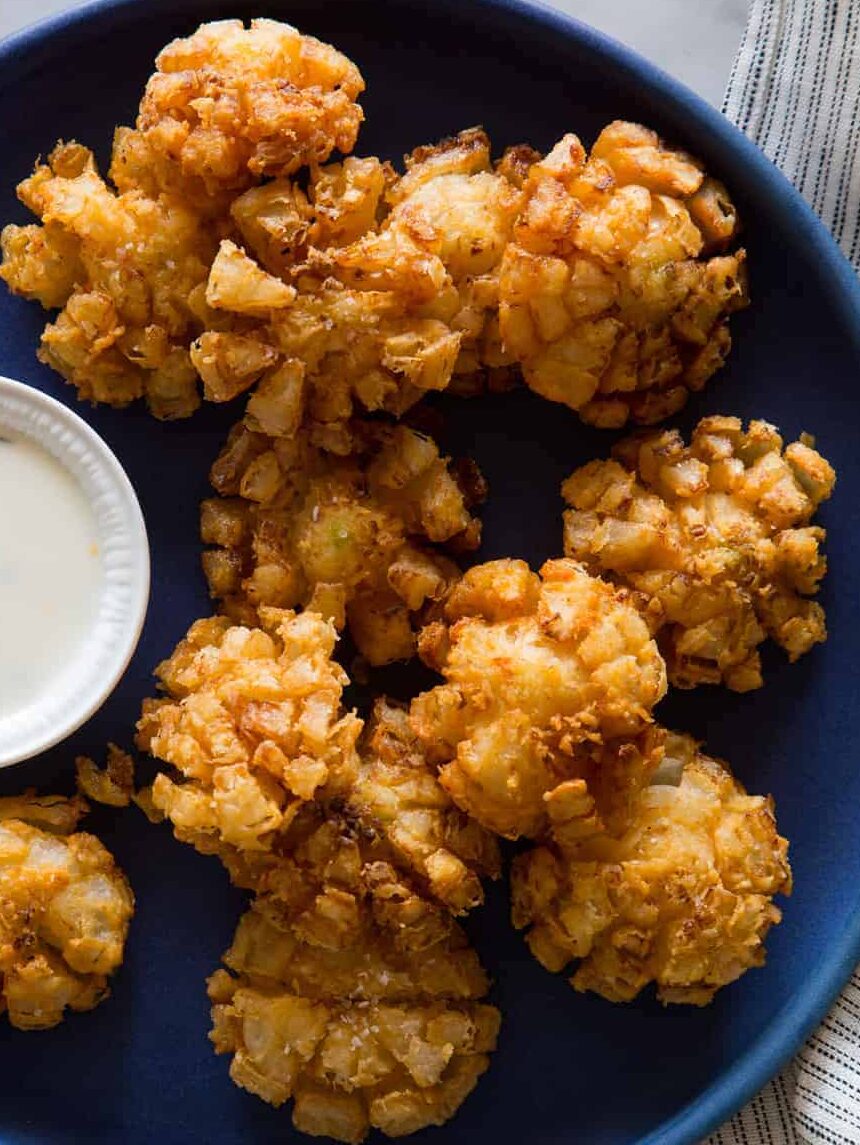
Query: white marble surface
point(695, 40)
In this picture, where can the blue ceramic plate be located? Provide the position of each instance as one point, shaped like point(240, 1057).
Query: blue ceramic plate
point(569, 1069)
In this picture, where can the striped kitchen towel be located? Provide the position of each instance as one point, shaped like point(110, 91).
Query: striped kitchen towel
point(795, 90)
point(816, 1099)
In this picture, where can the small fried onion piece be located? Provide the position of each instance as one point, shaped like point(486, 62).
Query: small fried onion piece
point(612, 298)
point(53, 813)
point(356, 536)
point(65, 908)
point(540, 670)
point(252, 722)
point(683, 898)
point(113, 784)
point(714, 538)
point(359, 1039)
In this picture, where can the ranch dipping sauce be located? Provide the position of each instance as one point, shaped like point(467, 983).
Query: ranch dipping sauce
point(50, 571)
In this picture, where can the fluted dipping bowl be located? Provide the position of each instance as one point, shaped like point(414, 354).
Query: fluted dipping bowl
point(570, 1068)
point(93, 669)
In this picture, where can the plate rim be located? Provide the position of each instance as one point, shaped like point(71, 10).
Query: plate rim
point(780, 1040)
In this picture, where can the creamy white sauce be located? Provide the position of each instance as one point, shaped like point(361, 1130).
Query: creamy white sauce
point(50, 571)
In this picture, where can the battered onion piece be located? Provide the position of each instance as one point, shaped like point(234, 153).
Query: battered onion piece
point(383, 842)
point(124, 271)
point(715, 539)
point(353, 537)
point(340, 869)
point(273, 783)
point(331, 884)
point(281, 220)
point(397, 285)
point(451, 207)
point(363, 349)
point(65, 908)
point(544, 675)
point(396, 797)
point(684, 898)
point(252, 722)
point(368, 963)
point(230, 105)
point(616, 289)
point(362, 1038)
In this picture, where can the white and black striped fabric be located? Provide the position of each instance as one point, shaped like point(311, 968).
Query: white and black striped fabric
point(795, 90)
point(815, 1100)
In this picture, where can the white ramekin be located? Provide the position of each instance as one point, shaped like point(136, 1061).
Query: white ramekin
point(93, 672)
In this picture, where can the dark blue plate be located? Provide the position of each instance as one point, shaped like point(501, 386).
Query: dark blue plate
point(569, 1068)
